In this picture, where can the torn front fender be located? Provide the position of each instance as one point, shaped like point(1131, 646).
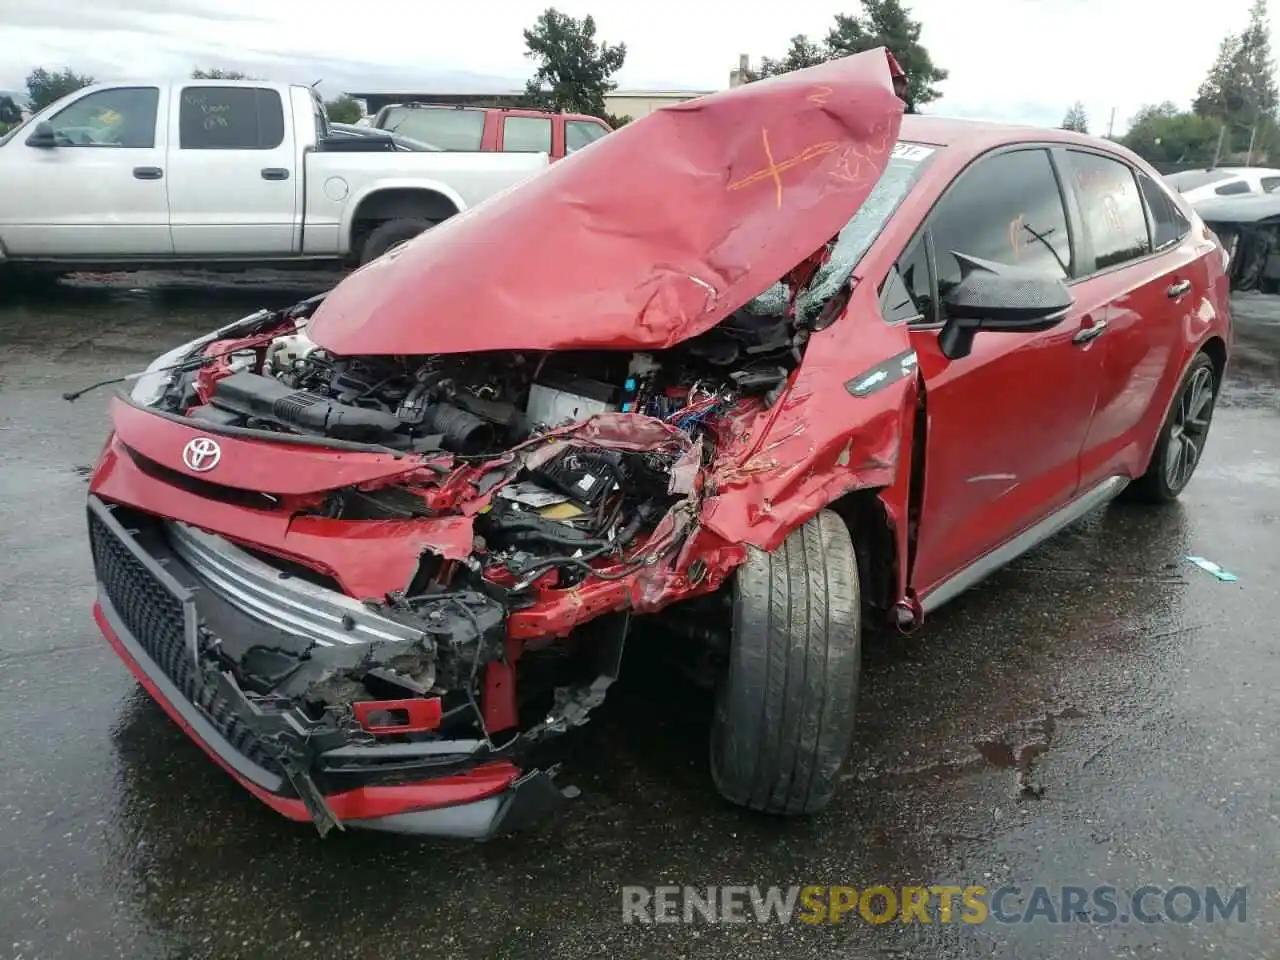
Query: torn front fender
point(840, 426)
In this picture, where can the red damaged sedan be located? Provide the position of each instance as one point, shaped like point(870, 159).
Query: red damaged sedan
point(757, 370)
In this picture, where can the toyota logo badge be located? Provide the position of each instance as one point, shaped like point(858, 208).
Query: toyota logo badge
point(201, 454)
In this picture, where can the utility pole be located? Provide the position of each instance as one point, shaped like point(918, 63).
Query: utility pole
point(1217, 153)
point(1111, 123)
point(1253, 133)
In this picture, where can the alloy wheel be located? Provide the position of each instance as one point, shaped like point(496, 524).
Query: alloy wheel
point(1190, 429)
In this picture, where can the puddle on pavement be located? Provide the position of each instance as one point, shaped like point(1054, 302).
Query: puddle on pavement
point(1019, 750)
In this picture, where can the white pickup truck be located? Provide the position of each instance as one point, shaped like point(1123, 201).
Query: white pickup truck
point(219, 172)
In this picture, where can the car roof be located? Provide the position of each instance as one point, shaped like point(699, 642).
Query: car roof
point(977, 135)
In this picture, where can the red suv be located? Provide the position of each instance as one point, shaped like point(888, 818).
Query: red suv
point(491, 129)
point(752, 375)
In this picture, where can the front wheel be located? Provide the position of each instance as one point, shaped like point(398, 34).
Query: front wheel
point(1180, 444)
point(390, 234)
point(784, 710)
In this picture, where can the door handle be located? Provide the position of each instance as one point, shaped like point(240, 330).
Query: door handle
point(147, 173)
point(1178, 289)
point(275, 173)
point(1090, 333)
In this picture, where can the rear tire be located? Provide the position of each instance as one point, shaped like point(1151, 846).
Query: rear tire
point(784, 710)
point(390, 234)
point(1181, 442)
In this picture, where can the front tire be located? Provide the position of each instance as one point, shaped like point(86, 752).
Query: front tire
point(784, 710)
point(1180, 444)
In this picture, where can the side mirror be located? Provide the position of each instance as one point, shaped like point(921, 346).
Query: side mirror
point(42, 136)
point(995, 297)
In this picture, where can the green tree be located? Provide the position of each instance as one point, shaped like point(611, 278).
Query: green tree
point(1241, 84)
point(344, 109)
point(9, 112)
point(802, 53)
point(217, 73)
point(887, 23)
point(574, 69)
point(1163, 133)
point(45, 86)
point(1076, 119)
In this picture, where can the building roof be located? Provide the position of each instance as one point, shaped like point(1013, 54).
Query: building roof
point(687, 94)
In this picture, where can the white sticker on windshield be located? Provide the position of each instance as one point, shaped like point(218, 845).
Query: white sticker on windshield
point(912, 152)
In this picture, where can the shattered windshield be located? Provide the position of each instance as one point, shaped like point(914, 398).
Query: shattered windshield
point(906, 163)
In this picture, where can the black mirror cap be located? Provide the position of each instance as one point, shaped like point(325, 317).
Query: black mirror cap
point(1000, 297)
point(42, 136)
point(995, 297)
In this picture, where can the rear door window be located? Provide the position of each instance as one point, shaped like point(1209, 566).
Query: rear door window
point(1232, 189)
point(1111, 208)
point(1005, 208)
point(230, 118)
point(444, 128)
point(1168, 225)
point(526, 135)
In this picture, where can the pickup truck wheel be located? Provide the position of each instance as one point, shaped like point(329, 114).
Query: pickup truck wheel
point(784, 709)
point(391, 233)
point(1182, 438)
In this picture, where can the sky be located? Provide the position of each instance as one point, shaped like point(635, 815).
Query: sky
point(1023, 61)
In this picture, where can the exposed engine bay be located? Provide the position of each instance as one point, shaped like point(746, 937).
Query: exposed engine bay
point(554, 483)
point(478, 404)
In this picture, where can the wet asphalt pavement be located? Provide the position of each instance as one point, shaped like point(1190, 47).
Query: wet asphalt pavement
point(1132, 691)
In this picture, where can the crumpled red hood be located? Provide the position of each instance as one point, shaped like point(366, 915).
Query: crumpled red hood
point(651, 236)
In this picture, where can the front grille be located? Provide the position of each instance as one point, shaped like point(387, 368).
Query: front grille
point(154, 616)
point(206, 489)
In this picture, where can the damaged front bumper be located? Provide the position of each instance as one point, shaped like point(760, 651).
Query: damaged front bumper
point(160, 618)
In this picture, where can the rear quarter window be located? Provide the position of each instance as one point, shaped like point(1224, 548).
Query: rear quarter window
point(444, 128)
point(1168, 225)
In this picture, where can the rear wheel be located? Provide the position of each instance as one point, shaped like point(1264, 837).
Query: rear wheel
point(785, 707)
point(390, 234)
point(1183, 436)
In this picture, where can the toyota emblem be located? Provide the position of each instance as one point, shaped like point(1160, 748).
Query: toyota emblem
point(201, 454)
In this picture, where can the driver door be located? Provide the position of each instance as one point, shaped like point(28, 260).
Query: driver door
point(1005, 423)
point(100, 191)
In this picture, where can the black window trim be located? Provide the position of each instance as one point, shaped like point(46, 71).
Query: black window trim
point(1074, 223)
point(155, 123)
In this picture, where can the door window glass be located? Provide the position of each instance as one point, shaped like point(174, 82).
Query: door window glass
point(121, 117)
point(1233, 189)
point(579, 133)
point(1111, 208)
point(230, 118)
point(1007, 209)
point(526, 135)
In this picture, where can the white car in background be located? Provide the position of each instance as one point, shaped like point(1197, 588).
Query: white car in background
point(1197, 185)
